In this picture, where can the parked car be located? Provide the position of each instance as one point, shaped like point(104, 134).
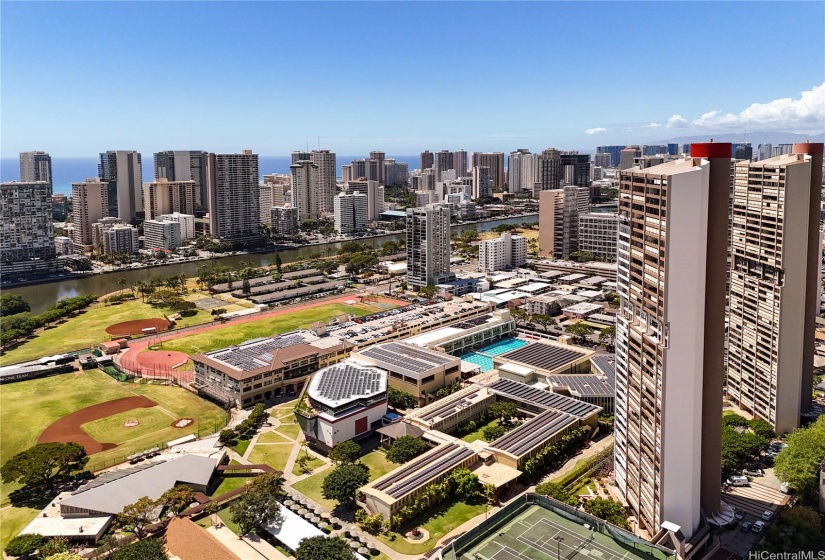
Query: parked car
point(785, 488)
point(746, 527)
point(739, 514)
point(738, 480)
point(767, 515)
point(758, 526)
point(753, 472)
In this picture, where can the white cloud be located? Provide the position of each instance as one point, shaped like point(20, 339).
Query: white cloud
point(805, 114)
point(677, 121)
point(592, 131)
point(653, 125)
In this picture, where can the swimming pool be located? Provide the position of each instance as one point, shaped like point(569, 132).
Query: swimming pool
point(484, 355)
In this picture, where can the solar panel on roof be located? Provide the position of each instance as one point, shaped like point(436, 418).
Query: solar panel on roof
point(545, 399)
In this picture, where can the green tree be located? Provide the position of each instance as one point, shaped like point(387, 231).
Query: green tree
point(344, 481)
point(370, 523)
point(12, 304)
point(148, 549)
point(579, 330)
point(259, 504)
point(608, 336)
point(345, 452)
point(22, 545)
point(556, 491)
point(226, 436)
point(465, 484)
point(546, 322)
point(66, 555)
point(798, 464)
point(406, 448)
point(608, 509)
point(612, 298)
point(323, 548)
point(43, 462)
point(138, 515)
point(762, 428)
point(177, 498)
point(492, 432)
point(798, 528)
point(519, 316)
point(53, 546)
point(503, 410)
point(427, 291)
point(278, 262)
point(397, 398)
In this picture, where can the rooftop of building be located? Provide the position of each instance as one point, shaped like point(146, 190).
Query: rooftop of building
point(450, 405)
point(583, 307)
point(582, 385)
point(345, 382)
point(408, 357)
point(605, 365)
point(458, 329)
point(534, 432)
point(544, 399)
point(186, 540)
point(545, 355)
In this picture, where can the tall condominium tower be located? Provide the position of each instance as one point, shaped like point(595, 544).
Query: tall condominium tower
point(628, 155)
point(351, 212)
point(122, 170)
point(614, 152)
point(379, 157)
point(375, 200)
point(234, 196)
point(90, 204)
point(184, 165)
point(774, 292)
point(300, 156)
point(428, 245)
point(559, 211)
point(324, 160)
point(669, 347)
point(460, 163)
point(26, 233)
point(493, 160)
point(305, 190)
point(602, 160)
point(442, 162)
point(522, 171)
point(482, 182)
point(576, 168)
point(396, 173)
point(426, 159)
point(36, 167)
point(551, 170)
point(165, 197)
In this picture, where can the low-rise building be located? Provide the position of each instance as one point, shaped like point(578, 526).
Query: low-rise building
point(259, 369)
point(465, 335)
point(456, 410)
point(284, 220)
point(582, 310)
point(544, 305)
point(161, 234)
point(186, 221)
point(113, 236)
point(63, 245)
point(597, 235)
point(342, 402)
point(507, 251)
point(542, 359)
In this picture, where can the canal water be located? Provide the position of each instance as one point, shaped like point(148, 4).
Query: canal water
point(42, 296)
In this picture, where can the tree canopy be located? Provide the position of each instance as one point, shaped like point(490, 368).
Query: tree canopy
point(147, 549)
point(400, 399)
point(21, 545)
point(259, 504)
point(406, 448)
point(502, 410)
point(798, 464)
point(556, 491)
point(41, 463)
point(177, 498)
point(12, 304)
point(345, 452)
point(344, 481)
point(138, 515)
point(579, 330)
point(323, 548)
point(608, 509)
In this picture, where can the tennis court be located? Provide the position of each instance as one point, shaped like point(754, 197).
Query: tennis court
point(538, 534)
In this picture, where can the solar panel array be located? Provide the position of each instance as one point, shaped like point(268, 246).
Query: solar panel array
point(545, 399)
point(411, 358)
point(445, 458)
point(472, 322)
point(584, 385)
point(345, 381)
point(251, 356)
point(111, 476)
point(607, 365)
point(544, 356)
point(534, 432)
point(451, 406)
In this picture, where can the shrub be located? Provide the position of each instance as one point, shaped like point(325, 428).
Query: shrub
point(21, 545)
point(490, 433)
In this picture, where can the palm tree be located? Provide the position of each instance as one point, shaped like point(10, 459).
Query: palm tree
point(121, 282)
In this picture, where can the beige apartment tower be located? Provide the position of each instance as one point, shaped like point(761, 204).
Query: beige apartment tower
point(774, 292)
point(670, 339)
point(162, 196)
point(90, 204)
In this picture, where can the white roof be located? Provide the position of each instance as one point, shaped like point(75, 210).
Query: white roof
point(67, 526)
point(582, 307)
point(516, 369)
point(291, 529)
point(534, 287)
point(428, 337)
point(589, 293)
point(572, 277)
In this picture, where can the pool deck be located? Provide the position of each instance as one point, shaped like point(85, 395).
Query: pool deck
point(484, 355)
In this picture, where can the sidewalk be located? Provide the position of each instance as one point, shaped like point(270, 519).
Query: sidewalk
point(251, 547)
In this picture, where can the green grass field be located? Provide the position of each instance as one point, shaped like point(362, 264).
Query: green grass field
point(267, 326)
point(312, 464)
point(89, 328)
point(438, 522)
point(12, 521)
point(274, 454)
point(272, 437)
point(112, 429)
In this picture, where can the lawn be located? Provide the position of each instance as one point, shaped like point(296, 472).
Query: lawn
point(242, 445)
point(12, 521)
point(29, 407)
point(441, 521)
point(112, 429)
point(272, 437)
point(289, 430)
point(267, 326)
point(312, 464)
point(89, 328)
point(225, 517)
point(378, 464)
point(274, 454)
point(228, 484)
point(478, 433)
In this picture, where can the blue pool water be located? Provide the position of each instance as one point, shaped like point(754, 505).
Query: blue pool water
point(484, 355)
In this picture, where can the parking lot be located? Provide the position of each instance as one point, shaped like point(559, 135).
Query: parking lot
point(752, 500)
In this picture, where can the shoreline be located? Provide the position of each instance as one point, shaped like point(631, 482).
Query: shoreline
point(264, 250)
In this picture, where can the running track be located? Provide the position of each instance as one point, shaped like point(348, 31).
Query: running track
point(128, 358)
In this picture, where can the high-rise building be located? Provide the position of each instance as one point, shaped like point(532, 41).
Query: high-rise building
point(764, 151)
point(397, 173)
point(442, 162)
point(161, 234)
point(559, 212)
point(327, 173)
point(305, 190)
point(614, 152)
point(351, 212)
point(119, 238)
point(743, 150)
point(300, 156)
point(426, 160)
point(26, 231)
point(186, 221)
point(162, 196)
point(60, 207)
point(346, 173)
point(782, 149)
point(284, 220)
point(772, 270)
point(234, 196)
point(551, 222)
point(603, 160)
point(551, 170)
point(522, 171)
point(380, 158)
point(669, 347)
point(428, 245)
point(375, 200)
point(36, 167)
point(627, 157)
point(184, 165)
point(597, 235)
point(576, 169)
point(460, 163)
point(493, 160)
point(482, 183)
point(654, 149)
point(90, 204)
point(502, 253)
point(122, 170)
point(673, 149)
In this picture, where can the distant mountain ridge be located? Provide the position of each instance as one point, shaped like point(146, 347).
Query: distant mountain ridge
point(755, 138)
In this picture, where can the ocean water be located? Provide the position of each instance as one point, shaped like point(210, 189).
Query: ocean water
point(72, 170)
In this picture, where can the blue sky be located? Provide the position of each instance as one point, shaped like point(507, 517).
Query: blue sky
point(80, 78)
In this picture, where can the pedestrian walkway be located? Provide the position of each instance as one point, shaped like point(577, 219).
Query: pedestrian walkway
point(251, 547)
